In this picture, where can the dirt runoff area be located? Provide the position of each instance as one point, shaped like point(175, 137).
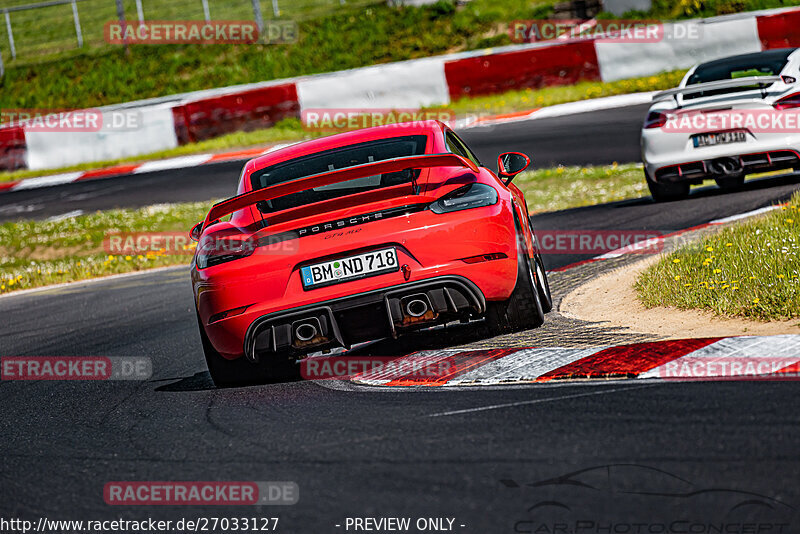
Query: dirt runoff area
point(610, 300)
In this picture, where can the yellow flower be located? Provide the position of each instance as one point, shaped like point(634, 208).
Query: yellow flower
point(752, 278)
point(717, 271)
point(756, 300)
point(111, 257)
point(728, 244)
point(687, 285)
point(735, 287)
point(780, 276)
point(128, 258)
point(790, 221)
point(676, 260)
point(709, 249)
point(726, 286)
point(677, 277)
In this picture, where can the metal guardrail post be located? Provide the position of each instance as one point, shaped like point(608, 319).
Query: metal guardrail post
point(139, 10)
point(77, 20)
point(10, 36)
point(259, 18)
point(123, 25)
point(275, 9)
point(2, 68)
point(206, 12)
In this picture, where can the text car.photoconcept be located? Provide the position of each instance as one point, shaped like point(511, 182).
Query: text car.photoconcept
point(728, 118)
point(358, 236)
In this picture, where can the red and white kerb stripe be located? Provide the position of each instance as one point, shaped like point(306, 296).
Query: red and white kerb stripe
point(742, 358)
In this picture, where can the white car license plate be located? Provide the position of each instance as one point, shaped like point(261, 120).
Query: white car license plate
point(349, 268)
point(721, 138)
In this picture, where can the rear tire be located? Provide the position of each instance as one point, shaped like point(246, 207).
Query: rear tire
point(667, 192)
point(523, 309)
point(730, 183)
point(241, 372)
point(545, 296)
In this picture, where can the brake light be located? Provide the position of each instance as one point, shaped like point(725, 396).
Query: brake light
point(214, 250)
point(655, 119)
point(473, 195)
point(788, 102)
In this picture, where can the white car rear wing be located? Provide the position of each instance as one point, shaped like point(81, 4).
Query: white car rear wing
point(760, 81)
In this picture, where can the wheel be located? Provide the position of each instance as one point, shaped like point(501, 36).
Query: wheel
point(730, 183)
point(666, 192)
point(241, 372)
point(523, 309)
point(545, 297)
point(543, 285)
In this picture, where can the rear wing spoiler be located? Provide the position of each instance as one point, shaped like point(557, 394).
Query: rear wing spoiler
point(237, 203)
point(760, 81)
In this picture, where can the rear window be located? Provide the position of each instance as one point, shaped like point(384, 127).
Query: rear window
point(340, 158)
point(769, 63)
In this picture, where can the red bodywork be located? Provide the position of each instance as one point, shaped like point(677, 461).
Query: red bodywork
point(232, 296)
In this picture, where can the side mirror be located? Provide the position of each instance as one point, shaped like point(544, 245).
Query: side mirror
point(511, 164)
point(196, 231)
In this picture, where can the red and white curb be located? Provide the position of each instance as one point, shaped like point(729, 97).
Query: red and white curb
point(182, 162)
point(743, 358)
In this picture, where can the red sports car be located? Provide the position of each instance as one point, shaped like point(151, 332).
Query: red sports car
point(361, 236)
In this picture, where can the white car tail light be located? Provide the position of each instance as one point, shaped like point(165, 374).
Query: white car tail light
point(655, 119)
point(788, 102)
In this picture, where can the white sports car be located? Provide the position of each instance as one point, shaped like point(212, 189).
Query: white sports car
point(727, 118)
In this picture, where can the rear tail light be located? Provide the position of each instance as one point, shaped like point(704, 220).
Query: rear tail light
point(473, 195)
point(788, 102)
point(213, 250)
point(655, 119)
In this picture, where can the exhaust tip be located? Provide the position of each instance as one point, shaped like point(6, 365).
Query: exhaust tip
point(306, 331)
point(416, 307)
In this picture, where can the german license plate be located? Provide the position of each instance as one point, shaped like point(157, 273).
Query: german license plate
point(719, 138)
point(349, 268)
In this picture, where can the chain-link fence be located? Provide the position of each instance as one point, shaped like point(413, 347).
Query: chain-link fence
point(29, 30)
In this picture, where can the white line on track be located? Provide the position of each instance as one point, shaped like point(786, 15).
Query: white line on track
point(63, 216)
point(535, 401)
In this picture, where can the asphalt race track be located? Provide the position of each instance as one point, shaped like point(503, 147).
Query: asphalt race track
point(682, 455)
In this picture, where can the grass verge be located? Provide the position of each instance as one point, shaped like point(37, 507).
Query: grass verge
point(562, 188)
point(40, 253)
point(749, 270)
